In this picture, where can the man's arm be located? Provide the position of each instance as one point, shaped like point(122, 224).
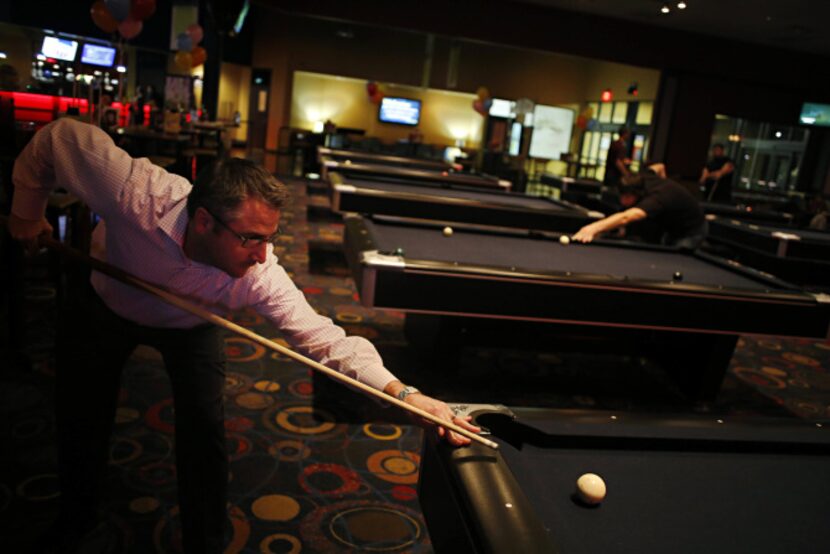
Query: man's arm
point(620, 163)
point(278, 299)
point(620, 219)
point(72, 155)
point(727, 168)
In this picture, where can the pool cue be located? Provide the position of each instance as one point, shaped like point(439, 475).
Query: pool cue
point(124, 277)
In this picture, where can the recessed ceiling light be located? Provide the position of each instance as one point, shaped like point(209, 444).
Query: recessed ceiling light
point(665, 9)
point(681, 5)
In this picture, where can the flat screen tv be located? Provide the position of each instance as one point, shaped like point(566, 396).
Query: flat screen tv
point(815, 114)
point(59, 48)
point(552, 127)
point(96, 54)
point(503, 108)
point(403, 111)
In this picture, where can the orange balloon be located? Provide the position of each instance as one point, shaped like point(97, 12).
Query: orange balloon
point(130, 28)
point(184, 60)
point(102, 17)
point(198, 56)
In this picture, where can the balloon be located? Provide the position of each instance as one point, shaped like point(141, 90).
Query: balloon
point(184, 42)
point(487, 103)
point(524, 106)
point(184, 60)
point(581, 121)
point(198, 56)
point(130, 28)
point(588, 112)
point(102, 17)
point(376, 97)
point(196, 33)
point(120, 9)
point(483, 93)
point(142, 9)
point(478, 106)
point(591, 125)
point(371, 88)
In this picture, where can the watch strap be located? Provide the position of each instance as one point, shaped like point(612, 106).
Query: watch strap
point(406, 391)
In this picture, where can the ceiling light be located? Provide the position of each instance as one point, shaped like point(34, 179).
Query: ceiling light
point(665, 9)
point(681, 5)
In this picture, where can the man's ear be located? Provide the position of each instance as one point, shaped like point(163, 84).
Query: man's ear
point(202, 220)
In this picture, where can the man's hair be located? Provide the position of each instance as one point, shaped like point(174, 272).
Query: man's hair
point(223, 185)
point(622, 131)
point(718, 145)
point(633, 184)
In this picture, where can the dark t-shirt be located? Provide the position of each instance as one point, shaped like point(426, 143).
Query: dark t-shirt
point(723, 192)
point(673, 208)
point(615, 152)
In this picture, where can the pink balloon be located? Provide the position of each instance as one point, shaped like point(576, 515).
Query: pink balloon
point(196, 33)
point(130, 28)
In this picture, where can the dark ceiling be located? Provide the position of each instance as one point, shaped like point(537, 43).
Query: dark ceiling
point(799, 25)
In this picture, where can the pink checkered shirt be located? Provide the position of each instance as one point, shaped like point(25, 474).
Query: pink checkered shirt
point(144, 216)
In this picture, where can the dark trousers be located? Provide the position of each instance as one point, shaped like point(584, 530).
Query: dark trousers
point(92, 346)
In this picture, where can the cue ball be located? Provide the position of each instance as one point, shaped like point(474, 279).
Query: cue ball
point(590, 488)
point(564, 239)
point(447, 231)
point(677, 276)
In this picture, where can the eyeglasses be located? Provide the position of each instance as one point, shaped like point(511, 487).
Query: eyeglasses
point(251, 241)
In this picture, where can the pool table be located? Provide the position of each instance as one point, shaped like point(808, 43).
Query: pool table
point(798, 255)
point(519, 276)
point(411, 175)
point(676, 484)
point(593, 195)
point(456, 204)
point(324, 153)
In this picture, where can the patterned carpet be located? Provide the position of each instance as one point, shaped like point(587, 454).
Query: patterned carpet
point(338, 474)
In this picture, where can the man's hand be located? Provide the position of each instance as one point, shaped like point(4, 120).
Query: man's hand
point(27, 231)
point(586, 234)
point(440, 409)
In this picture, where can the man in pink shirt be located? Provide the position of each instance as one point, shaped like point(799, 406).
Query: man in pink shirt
point(210, 242)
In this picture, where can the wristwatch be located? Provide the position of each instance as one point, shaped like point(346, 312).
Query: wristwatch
point(406, 391)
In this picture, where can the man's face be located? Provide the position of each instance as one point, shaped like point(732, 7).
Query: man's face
point(717, 151)
point(253, 219)
point(628, 200)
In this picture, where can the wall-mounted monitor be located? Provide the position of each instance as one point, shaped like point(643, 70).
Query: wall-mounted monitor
point(97, 54)
point(59, 48)
point(503, 108)
point(815, 114)
point(515, 139)
point(552, 128)
point(403, 111)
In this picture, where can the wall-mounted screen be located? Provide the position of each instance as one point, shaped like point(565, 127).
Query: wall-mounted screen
point(515, 139)
point(96, 54)
point(403, 111)
point(503, 108)
point(815, 114)
point(552, 128)
point(59, 48)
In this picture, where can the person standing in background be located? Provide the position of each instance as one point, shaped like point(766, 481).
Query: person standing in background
point(617, 162)
point(716, 176)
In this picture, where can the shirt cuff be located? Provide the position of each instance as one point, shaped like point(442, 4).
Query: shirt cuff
point(29, 204)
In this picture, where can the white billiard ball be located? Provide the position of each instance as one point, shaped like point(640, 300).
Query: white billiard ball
point(590, 488)
point(564, 239)
point(447, 231)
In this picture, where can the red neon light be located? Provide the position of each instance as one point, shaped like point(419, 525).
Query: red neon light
point(607, 95)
